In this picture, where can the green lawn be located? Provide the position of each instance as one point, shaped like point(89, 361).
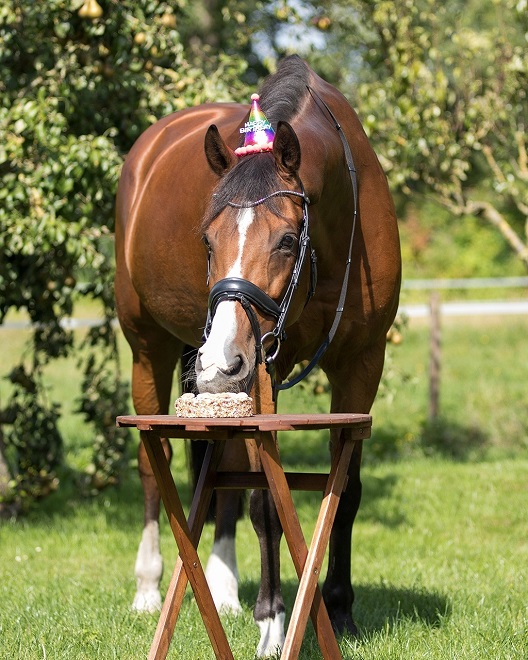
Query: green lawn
point(441, 541)
point(440, 566)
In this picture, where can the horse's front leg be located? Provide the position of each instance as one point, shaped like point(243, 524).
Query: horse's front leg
point(222, 571)
point(149, 562)
point(269, 608)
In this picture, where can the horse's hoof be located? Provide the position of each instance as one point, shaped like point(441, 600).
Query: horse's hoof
point(343, 624)
point(148, 601)
point(271, 637)
point(229, 607)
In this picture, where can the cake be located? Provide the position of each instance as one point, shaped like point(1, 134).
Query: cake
point(223, 404)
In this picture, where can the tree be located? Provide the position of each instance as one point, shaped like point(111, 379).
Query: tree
point(442, 92)
point(81, 80)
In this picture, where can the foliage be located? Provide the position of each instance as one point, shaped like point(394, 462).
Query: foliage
point(76, 91)
point(33, 445)
point(435, 243)
point(441, 90)
point(443, 100)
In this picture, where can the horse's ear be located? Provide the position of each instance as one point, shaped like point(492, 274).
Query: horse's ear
point(286, 149)
point(219, 156)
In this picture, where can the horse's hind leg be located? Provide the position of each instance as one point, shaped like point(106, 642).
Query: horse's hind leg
point(155, 353)
point(354, 388)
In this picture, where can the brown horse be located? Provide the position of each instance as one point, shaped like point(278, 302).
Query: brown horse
point(191, 217)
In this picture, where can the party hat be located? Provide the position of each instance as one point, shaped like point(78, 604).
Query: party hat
point(258, 133)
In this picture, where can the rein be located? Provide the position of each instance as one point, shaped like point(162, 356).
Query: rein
point(342, 296)
point(248, 294)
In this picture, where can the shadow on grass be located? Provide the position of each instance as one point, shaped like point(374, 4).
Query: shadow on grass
point(309, 448)
point(442, 437)
point(122, 504)
point(376, 493)
point(450, 439)
point(377, 607)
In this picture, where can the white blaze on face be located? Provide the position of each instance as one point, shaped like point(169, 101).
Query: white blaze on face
point(217, 352)
point(244, 222)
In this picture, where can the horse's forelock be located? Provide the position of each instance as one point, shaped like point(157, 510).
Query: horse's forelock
point(252, 178)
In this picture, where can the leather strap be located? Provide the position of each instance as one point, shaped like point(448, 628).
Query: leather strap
point(342, 296)
point(232, 288)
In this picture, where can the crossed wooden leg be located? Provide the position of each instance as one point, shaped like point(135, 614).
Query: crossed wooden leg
point(307, 562)
point(187, 534)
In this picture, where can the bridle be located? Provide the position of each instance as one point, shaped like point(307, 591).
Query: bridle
point(249, 295)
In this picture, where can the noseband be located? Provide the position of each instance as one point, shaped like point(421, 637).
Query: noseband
point(249, 295)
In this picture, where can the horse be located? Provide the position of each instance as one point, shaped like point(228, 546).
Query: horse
point(240, 268)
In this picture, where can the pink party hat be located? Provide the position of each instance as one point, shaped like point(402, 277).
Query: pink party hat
point(258, 133)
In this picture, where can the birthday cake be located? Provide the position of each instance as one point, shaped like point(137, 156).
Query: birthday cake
point(224, 404)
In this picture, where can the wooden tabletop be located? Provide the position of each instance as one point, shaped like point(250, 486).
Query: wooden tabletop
point(247, 424)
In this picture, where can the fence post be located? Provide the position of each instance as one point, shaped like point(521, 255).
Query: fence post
point(434, 357)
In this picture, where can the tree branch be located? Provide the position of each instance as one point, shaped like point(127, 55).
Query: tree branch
point(499, 175)
point(490, 213)
point(523, 157)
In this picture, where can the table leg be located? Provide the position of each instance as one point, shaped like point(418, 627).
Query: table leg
point(310, 594)
point(188, 560)
point(321, 537)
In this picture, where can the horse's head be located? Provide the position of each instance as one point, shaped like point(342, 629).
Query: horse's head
point(256, 235)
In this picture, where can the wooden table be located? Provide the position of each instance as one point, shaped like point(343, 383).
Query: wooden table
point(307, 561)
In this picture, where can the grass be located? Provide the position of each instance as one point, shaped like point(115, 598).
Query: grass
point(440, 544)
point(440, 567)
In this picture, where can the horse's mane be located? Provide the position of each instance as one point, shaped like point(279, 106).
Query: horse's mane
point(282, 92)
point(255, 177)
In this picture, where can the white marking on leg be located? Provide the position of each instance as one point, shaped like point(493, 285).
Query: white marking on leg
point(271, 636)
point(148, 569)
point(222, 575)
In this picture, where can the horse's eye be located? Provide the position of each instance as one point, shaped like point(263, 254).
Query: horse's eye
point(206, 243)
point(287, 243)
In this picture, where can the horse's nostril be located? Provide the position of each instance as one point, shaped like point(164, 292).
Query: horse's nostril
point(234, 368)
